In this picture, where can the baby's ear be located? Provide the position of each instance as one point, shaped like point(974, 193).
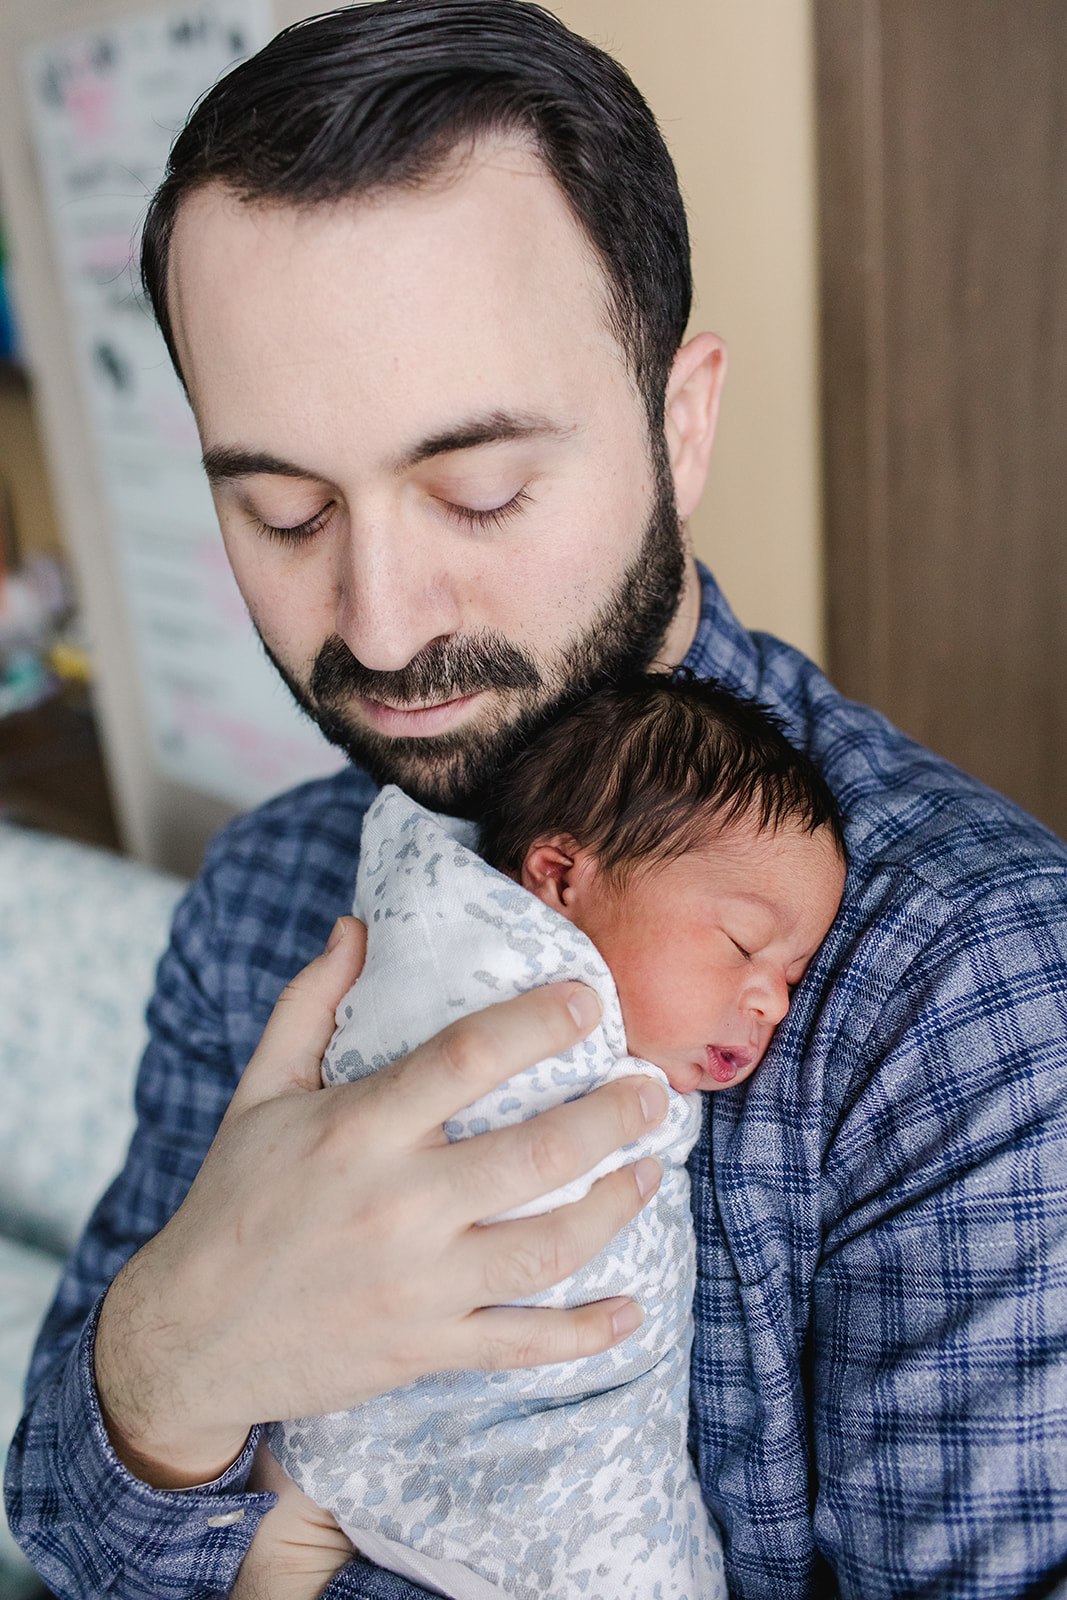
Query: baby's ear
point(550, 870)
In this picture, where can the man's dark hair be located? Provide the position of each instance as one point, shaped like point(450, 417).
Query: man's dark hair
point(642, 772)
point(378, 96)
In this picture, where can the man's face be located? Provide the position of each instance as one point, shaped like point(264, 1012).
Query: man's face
point(430, 463)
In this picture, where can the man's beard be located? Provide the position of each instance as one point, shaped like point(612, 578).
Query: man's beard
point(450, 771)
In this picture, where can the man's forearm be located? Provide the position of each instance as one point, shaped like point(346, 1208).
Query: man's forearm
point(91, 1527)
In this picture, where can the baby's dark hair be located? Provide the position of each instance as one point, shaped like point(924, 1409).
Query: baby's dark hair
point(641, 771)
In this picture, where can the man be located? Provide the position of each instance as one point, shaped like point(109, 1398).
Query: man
point(422, 267)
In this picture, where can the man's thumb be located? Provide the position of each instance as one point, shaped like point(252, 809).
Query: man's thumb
point(294, 1041)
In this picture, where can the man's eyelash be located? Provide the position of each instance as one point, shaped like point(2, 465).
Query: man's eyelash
point(495, 517)
point(298, 534)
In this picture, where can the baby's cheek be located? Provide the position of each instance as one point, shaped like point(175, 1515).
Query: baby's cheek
point(685, 1079)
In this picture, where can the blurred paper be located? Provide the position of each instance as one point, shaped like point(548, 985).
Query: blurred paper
point(105, 108)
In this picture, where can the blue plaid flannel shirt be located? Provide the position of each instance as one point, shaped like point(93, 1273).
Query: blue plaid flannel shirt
point(879, 1401)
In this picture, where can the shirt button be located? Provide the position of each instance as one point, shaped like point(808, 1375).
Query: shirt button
point(226, 1520)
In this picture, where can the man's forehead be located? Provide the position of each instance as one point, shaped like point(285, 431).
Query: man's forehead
point(482, 291)
point(499, 178)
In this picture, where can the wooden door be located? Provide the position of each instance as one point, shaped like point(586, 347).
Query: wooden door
point(943, 194)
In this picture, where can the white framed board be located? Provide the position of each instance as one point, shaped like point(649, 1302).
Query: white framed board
point(100, 107)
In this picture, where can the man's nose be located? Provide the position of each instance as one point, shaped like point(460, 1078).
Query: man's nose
point(393, 595)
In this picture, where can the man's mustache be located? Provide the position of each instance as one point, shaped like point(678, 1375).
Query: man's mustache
point(445, 669)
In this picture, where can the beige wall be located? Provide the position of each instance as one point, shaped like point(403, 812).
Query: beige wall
point(731, 83)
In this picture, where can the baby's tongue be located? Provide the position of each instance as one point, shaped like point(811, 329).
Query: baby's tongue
point(722, 1064)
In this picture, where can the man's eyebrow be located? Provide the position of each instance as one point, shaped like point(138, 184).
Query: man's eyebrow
point(223, 461)
point(497, 428)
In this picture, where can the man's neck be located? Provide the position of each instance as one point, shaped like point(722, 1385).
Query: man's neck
point(682, 631)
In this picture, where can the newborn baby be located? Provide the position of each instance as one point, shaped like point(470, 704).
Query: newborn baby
point(666, 836)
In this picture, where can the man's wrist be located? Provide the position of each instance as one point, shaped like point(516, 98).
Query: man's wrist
point(167, 1465)
point(129, 1387)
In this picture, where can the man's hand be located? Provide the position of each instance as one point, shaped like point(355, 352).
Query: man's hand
point(329, 1249)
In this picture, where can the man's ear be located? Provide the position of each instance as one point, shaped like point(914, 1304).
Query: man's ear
point(554, 870)
point(690, 414)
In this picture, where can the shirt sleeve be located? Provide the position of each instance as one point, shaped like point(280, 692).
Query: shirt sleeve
point(88, 1525)
point(359, 1580)
point(939, 1325)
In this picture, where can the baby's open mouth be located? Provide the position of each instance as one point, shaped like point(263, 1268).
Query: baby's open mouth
point(724, 1063)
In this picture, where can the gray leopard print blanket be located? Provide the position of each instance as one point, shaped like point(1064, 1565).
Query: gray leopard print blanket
point(554, 1482)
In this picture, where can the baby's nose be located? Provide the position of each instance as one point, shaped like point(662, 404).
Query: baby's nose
point(770, 998)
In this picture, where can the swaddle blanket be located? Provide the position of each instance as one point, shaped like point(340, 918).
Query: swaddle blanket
point(556, 1481)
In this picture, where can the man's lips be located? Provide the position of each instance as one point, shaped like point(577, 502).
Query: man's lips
point(400, 722)
point(725, 1062)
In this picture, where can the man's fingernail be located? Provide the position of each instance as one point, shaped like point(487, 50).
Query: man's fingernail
point(647, 1173)
point(627, 1319)
point(653, 1098)
point(584, 1007)
point(337, 933)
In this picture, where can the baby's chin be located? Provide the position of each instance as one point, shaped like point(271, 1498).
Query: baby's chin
point(720, 1069)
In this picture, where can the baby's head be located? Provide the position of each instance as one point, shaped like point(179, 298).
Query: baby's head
point(703, 855)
